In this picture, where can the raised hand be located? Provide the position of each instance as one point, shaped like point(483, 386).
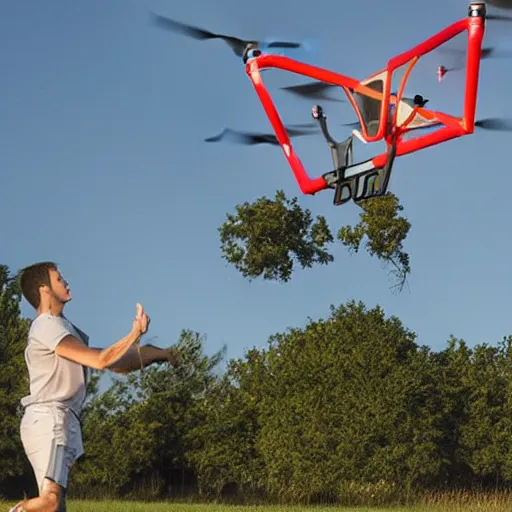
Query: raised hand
point(141, 321)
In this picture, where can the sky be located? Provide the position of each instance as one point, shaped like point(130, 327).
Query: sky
point(104, 169)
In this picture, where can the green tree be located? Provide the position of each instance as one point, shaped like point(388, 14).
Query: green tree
point(134, 433)
point(453, 387)
point(347, 404)
point(13, 378)
point(485, 436)
point(345, 408)
point(270, 236)
point(222, 445)
point(384, 231)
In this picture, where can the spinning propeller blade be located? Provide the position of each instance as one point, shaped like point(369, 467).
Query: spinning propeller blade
point(251, 138)
point(237, 45)
point(314, 89)
point(500, 4)
point(355, 124)
point(281, 44)
point(500, 17)
point(495, 124)
point(487, 53)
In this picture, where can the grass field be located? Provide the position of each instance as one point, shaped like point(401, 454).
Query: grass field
point(458, 503)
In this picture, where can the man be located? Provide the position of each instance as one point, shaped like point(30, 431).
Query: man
point(58, 358)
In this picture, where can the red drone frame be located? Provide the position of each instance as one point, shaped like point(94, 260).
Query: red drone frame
point(371, 99)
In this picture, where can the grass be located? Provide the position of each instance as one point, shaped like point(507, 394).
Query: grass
point(449, 502)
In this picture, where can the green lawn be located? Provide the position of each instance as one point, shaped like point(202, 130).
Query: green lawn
point(477, 505)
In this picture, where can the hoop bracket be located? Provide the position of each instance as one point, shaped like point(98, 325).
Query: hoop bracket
point(361, 181)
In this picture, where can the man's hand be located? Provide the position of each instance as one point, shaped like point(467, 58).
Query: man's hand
point(173, 356)
point(151, 354)
point(141, 320)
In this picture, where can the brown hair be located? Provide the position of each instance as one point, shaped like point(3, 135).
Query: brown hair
point(34, 276)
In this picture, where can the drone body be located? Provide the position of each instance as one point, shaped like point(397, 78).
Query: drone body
point(382, 115)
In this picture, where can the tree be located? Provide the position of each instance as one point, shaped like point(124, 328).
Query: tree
point(453, 389)
point(135, 432)
point(385, 231)
point(268, 237)
point(345, 408)
point(13, 378)
point(346, 404)
point(485, 440)
point(222, 445)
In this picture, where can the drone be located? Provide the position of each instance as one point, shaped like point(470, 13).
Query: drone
point(382, 114)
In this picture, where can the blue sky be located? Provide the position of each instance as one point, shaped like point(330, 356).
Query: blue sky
point(104, 169)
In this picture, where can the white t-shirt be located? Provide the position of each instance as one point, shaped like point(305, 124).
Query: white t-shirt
point(54, 379)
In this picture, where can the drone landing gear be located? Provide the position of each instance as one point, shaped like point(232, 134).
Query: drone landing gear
point(360, 181)
point(342, 157)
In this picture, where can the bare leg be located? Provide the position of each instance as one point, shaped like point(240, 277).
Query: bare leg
point(51, 499)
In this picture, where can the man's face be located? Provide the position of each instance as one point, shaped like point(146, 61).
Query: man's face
point(60, 288)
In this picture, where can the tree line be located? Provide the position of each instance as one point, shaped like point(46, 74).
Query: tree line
point(347, 409)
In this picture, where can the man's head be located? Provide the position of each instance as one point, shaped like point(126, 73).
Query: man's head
point(42, 285)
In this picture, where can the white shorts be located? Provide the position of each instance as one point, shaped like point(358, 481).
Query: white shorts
point(52, 439)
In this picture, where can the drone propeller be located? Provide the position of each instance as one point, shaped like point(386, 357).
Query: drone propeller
point(491, 123)
point(237, 45)
point(355, 124)
point(499, 17)
point(314, 89)
point(495, 124)
point(491, 52)
point(486, 53)
point(317, 88)
point(500, 4)
point(251, 139)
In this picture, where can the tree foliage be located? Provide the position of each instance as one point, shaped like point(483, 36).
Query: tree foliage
point(270, 236)
point(13, 378)
point(348, 409)
point(134, 433)
point(223, 445)
point(385, 232)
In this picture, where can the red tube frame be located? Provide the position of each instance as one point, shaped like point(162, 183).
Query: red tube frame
point(454, 126)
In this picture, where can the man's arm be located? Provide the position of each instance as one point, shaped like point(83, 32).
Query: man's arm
point(99, 359)
point(138, 358)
